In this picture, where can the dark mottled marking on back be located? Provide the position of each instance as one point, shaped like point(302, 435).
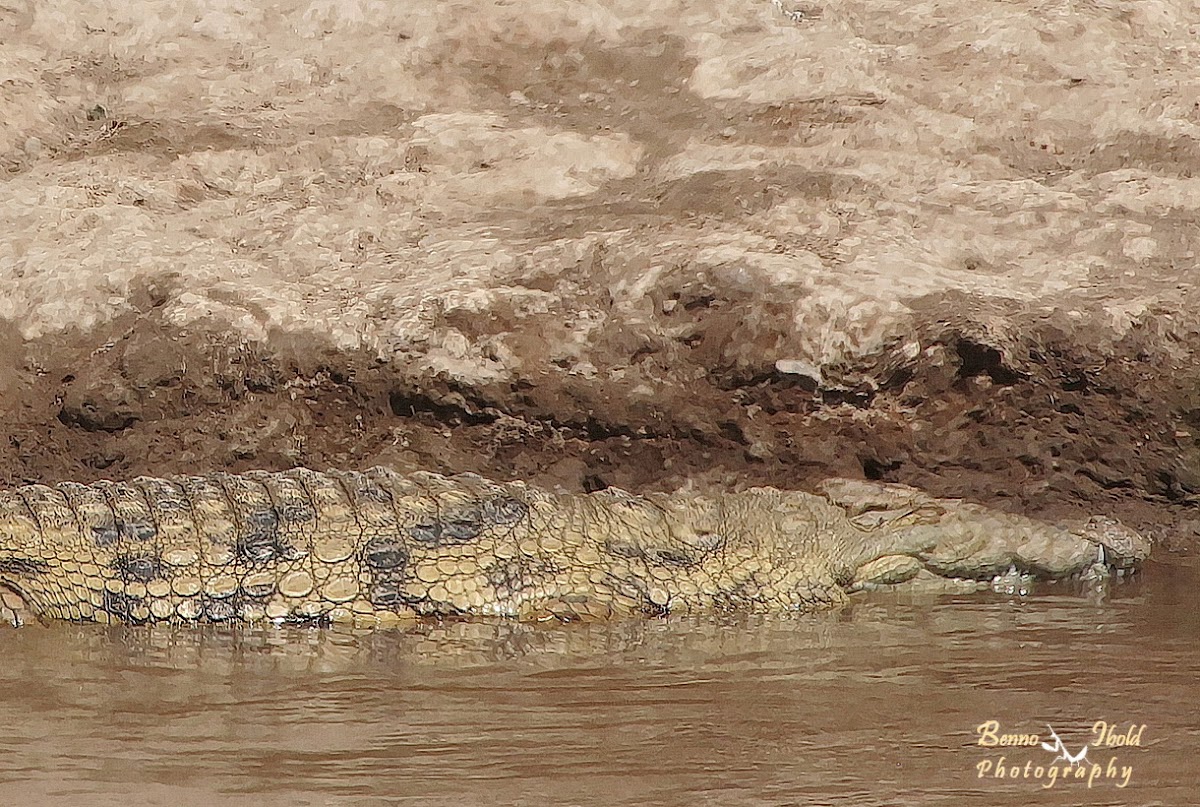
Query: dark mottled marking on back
point(651, 608)
point(390, 595)
point(308, 508)
point(258, 591)
point(364, 487)
point(660, 556)
point(256, 523)
point(108, 534)
point(427, 531)
point(257, 548)
point(105, 534)
point(669, 557)
point(457, 529)
point(735, 599)
point(142, 568)
point(121, 605)
point(138, 531)
point(509, 578)
point(387, 594)
point(624, 549)
point(504, 510)
point(163, 495)
point(385, 554)
point(264, 521)
point(222, 610)
point(261, 542)
point(294, 512)
point(463, 526)
point(23, 567)
point(457, 526)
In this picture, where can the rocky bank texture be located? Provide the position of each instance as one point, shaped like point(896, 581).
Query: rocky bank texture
point(644, 244)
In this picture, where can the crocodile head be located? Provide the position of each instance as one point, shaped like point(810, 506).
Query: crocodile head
point(904, 532)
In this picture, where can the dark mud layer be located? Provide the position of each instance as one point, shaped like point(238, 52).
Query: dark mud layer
point(1047, 427)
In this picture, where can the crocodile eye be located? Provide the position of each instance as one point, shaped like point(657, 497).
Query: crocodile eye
point(706, 541)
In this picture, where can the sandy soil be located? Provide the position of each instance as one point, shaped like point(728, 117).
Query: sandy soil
point(642, 244)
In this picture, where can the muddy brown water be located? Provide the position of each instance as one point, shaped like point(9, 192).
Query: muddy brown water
point(878, 704)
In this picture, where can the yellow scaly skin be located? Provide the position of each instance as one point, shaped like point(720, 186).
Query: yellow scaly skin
point(377, 547)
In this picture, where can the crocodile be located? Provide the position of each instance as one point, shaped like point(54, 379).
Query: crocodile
point(377, 546)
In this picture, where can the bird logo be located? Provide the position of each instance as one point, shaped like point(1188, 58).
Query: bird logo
point(1057, 747)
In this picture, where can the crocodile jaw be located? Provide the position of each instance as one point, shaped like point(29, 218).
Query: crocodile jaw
point(904, 534)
